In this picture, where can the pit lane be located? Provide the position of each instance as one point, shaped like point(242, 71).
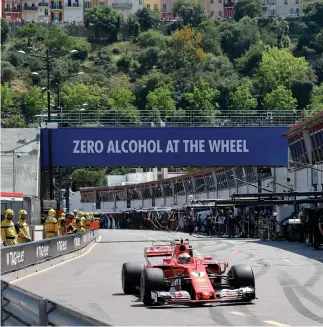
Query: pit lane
point(289, 282)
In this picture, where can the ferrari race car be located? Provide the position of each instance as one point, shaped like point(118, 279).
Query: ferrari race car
point(182, 278)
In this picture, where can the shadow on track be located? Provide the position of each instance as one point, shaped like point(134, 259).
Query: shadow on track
point(295, 247)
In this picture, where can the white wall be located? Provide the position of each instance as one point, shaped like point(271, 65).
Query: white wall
point(73, 14)
point(116, 180)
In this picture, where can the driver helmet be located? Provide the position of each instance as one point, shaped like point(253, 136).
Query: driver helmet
point(184, 258)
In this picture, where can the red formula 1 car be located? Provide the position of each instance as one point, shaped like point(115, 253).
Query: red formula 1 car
point(182, 278)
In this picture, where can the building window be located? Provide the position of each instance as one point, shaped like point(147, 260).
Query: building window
point(164, 7)
point(211, 1)
point(291, 10)
point(220, 13)
point(285, 2)
point(297, 2)
point(46, 12)
point(148, 6)
point(272, 12)
point(273, 2)
point(101, 4)
point(88, 5)
point(297, 10)
point(140, 2)
point(155, 6)
point(220, 1)
point(212, 13)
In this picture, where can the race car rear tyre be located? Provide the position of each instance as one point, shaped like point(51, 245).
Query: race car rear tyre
point(130, 276)
point(241, 276)
point(152, 279)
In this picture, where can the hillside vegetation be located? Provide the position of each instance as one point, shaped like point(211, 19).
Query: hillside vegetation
point(148, 68)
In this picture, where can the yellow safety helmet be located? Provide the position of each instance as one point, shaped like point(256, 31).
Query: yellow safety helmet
point(62, 215)
point(52, 212)
point(86, 214)
point(9, 212)
point(75, 211)
point(80, 214)
point(91, 214)
point(22, 212)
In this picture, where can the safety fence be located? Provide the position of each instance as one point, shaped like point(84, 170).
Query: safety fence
point(22, 308)
point(22, 256)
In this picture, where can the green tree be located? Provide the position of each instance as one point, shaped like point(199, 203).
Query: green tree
point(120, 101)
point(238, 37)
point(35, 101)
point(184, 50)
point(14, 121)
point(279, 28)
point(6, 97)
point(280, 99)
point(210, 38)
point(280, 67)
point(241, 100)
point(201, 100)
point(104, 20)
point(251, 8)
point(316, 102)
point(81, 45)
point(4, 30)
point(147, 19)
point(8, 72)
point(74, 95)
point(314, 15)
point(124, 63)
point(89, 177)
point(152, 38)
point(148, 83)
point(250, 60)
point(33, 33)
point(190, 11)
point(161, 102)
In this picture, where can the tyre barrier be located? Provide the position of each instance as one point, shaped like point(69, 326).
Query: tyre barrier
point(20, 307)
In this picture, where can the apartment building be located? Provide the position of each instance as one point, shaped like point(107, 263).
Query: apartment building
point(34, 10)
point(11, 9)
point(73, 10)
point(214, 8)
point(154, 4)
point(126, 7)
point(167, 9)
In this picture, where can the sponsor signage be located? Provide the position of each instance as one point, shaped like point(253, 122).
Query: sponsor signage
point(21, 256)
point(146, 147)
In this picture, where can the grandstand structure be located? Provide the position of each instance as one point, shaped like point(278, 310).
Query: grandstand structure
point(304, 173)
point(20, 161)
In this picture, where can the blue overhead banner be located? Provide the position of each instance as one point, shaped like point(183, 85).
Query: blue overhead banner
point(150, 147)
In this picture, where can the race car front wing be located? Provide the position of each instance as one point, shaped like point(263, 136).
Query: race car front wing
point(182, 297)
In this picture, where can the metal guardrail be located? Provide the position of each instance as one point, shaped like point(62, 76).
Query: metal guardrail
point(22, 256)
point(111, 118)
point(22, 308)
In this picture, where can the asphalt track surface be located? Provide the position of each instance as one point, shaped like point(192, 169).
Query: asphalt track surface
point(289, 283)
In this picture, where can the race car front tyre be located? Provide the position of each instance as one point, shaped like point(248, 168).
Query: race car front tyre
point(241, 276)
point(130, 276)
point(152, 279)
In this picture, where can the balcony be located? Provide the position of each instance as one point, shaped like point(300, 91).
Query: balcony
point(72, 5)
point(56, 6)
point(12, 9)
point(124, 5)
point(29, 8)
point(229, 4)
point(43, 4)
